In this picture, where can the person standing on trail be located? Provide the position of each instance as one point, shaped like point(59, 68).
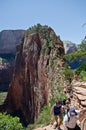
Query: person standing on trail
point(65, 107)
point(70, 120)
point(56, 111)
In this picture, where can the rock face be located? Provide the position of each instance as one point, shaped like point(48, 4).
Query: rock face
point(79, 100)
point(36, 75)
point(6, 70)
point(69, 47)
point(5, 78)
point(8, 41)
point(79, 91)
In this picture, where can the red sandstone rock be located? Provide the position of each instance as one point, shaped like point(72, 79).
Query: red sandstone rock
point(35, 74)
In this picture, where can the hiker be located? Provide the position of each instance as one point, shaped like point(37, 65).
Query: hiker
point(70, 120)
point(56, 111)
point(64, 107)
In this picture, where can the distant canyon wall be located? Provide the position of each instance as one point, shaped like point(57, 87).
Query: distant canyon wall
point(9, 39)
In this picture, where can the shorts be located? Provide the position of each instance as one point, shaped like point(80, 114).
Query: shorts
point(58, 118)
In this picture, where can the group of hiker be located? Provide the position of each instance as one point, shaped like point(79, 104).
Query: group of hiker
point(64, 114)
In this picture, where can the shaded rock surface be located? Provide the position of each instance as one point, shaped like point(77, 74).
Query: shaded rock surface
point(69, 47)
point(8, 41)
point(5, 78)
point(37, 74)
point(6, 70)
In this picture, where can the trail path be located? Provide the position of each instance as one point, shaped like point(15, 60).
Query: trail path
point(49, 127)
point(83, 116)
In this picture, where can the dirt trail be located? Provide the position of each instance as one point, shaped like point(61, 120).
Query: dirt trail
point(49, 127)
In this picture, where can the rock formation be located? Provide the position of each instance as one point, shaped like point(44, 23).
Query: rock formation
point(69, 47)
point(79, 92)
point(9, 39)
point(37, 74)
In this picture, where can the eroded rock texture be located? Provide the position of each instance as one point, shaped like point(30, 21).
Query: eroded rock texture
point(79, 92)
point(37, 73)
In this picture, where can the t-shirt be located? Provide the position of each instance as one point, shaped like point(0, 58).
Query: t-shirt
point(70, 121)
point(57, 110)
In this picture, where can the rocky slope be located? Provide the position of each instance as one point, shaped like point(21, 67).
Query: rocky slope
point(37, 74)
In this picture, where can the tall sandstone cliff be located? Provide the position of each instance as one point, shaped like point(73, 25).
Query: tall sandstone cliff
point(37, 74)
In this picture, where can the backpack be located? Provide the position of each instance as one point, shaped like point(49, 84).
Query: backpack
point(57, 110)
point(69, 116)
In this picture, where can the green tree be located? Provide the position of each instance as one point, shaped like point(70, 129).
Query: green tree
point(82, 71)
point(8, 122)
point(82, 46)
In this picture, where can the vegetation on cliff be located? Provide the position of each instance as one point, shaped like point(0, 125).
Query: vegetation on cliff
point(80, 53)
point(78, 60)
point(45, 32)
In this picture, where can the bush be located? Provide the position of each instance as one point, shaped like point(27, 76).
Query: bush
point(82, 46)
point(83, 75)
point(81, 68)
point(44, 117)
point(8, 122)
point(68, 72)
point(31, 127)
point(82, 71)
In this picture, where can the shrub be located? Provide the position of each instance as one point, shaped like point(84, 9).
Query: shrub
point(44, 117)
point(31, 127)
point(68, 72)
point(82, 71)
point(81, 68)
point(82, 46)
point(8, 122)
point(83, 75)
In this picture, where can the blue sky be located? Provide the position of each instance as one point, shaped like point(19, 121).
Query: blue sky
point(66, 17)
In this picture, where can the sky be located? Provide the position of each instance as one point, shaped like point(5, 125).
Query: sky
point(65, 17)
